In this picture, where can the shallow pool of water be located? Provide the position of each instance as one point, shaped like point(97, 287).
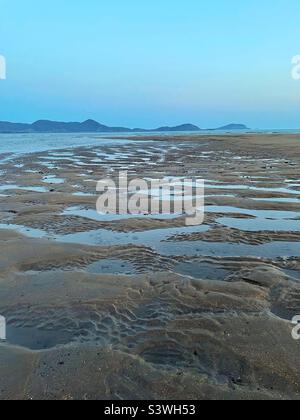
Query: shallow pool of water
point(103, 217)
point(7, 187)
point(204, 271)
point(156, 239)
point(111, 266)
point(252, 188)
point(256, 225)
point(220, 249)
point(36, 339)
point(278, 200)
point(264, 214)
point(52, 179)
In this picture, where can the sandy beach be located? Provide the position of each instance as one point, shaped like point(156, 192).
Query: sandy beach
point(143, 307)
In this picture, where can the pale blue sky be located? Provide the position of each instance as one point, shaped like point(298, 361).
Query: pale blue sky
point(150, 63)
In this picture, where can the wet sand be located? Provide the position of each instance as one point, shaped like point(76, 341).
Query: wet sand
point(116, 307)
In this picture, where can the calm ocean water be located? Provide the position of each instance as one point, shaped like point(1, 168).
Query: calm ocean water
point(31, 143)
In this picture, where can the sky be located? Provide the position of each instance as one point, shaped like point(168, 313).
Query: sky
point(145, 63)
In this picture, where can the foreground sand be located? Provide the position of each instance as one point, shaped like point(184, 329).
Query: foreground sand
point(174, 316)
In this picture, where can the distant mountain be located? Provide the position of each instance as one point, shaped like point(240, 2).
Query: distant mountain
point(91, 126)
point(88, 126)
point(231, 127)
point(8, 127)
point(183, 127)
